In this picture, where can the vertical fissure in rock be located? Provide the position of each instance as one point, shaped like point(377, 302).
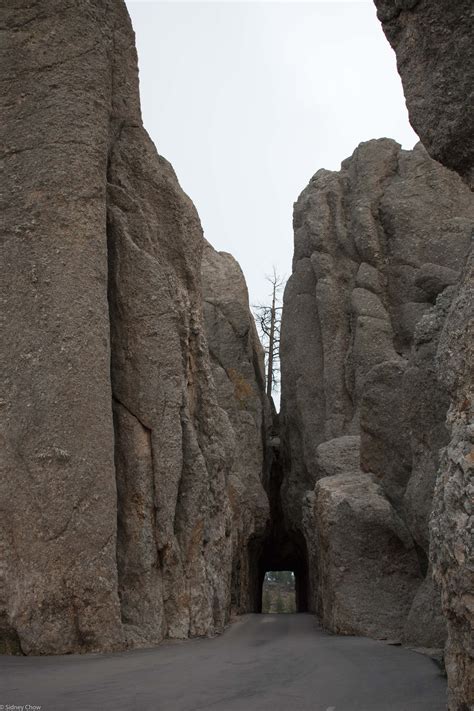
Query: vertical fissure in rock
point(278, 547)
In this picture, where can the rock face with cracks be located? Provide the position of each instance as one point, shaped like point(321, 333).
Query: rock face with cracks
point(378, 247)
point(118, 482)
point(237, 363)
point(433, 45)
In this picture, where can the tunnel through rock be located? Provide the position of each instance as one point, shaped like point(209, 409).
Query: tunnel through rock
point(286, 551)
point(280, 549)
point(278, 592)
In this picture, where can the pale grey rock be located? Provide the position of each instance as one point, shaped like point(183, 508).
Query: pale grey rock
point(359, 339)
point(161, 376)
point(364, 303)
point(427, 402)
point(304, 423)
point(433, 41)
point(385, 431)
point(339, 456)
point(117, 464)
point(335, 331)
point(367, 566)
point(237, 361)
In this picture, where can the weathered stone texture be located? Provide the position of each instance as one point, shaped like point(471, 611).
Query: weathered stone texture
point(237, 361)
point(161, 379)
point(378, 246)
point(117, 525)
point(452, 520)
point(58, 490)
point(433, 43)
point(364, 556)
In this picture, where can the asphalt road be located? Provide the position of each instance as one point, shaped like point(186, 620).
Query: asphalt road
point(263, 662)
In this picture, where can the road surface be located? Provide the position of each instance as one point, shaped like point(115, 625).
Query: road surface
point(262, 663)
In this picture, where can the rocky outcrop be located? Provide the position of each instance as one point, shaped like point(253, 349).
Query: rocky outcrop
point(433, 44)
point(59, 589)
point(237, 361)
point(452, 520)
point(173, 443)
point(432, 40)
point(117, 523)
point(378, 246)
point(365, 570)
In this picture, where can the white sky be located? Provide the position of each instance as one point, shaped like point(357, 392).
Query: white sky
point(249, 99)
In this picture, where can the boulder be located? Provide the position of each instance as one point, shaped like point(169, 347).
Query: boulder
point(339, 456)
point(367, 565)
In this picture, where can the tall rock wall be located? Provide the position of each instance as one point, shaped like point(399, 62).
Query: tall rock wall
point(118, 522)
point(59, 588)
point(378, 248)
point(237, 361)
point(433, 44)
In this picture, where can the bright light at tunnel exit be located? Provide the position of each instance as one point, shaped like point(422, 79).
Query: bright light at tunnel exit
point(278, 592)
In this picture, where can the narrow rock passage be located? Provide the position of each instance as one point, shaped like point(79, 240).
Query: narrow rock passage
point(277, 662)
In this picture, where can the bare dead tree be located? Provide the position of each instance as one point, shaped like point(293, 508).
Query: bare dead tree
point(268, 320)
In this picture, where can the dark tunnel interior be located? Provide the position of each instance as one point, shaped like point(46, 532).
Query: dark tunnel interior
point(279, 549)
point(287, 552)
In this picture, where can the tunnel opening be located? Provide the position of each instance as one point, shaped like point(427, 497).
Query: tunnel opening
point(284, 551)
point(278, 592)
point(280, 548)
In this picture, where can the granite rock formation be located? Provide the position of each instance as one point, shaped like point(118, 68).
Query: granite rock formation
point(433, 45)
point(118, 483)
point(363, 567)
point(378, 247)
point(237, 363)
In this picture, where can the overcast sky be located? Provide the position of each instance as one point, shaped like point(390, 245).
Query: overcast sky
point(249, 99)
